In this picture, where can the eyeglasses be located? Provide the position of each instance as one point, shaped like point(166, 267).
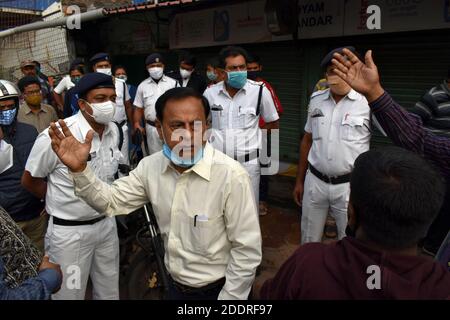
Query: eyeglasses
point(33, 93)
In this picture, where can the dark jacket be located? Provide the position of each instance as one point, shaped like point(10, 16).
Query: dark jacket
point(196, 81)
point(340, 271)
point(20, 204)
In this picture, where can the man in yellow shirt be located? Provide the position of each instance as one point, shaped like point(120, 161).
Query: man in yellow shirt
point(201, 198)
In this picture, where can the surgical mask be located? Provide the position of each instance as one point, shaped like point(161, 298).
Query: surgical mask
point(252, 75)
point(212, 76)
point(185, 74)
point(102, 113)
point(6, 156)
point(156, 72)
point(34, 100)
point(7, 116)
point(122, 77)
point(75, 80)
point(179, 161)
point(106, 71)
point(237, 79)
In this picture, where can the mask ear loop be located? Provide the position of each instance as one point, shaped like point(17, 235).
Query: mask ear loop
point(85, 111)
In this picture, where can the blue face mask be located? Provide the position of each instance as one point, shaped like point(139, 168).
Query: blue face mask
point(7, 116)
point(212, 76)
point(180, 162)
point(237, 79)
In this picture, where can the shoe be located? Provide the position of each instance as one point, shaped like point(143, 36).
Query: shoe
point(263, 209)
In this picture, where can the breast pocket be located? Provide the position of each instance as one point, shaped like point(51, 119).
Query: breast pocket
point(148, 99)
point(317, 124)
point(353, 128)
point(216, 116)
point(246, 118)
point(199, 234)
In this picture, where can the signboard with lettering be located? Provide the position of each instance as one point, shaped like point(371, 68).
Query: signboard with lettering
point(397, 15)
point(319, 19)
point(240, 23)
point(248, 22)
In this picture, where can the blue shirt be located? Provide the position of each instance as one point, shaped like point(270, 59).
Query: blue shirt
point(37, 288)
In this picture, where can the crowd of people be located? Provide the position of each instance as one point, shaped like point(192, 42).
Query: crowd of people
point(63, 151)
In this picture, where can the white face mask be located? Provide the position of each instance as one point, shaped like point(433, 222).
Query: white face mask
point(156, 72)
point(106, 71)
point(122, 77)
point(103, 113)
point(185, 74)
point(6, 156)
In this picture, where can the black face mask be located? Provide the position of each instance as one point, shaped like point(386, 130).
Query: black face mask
point(252, 75)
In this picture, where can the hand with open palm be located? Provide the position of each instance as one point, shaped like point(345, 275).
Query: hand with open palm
point(362, 77)
point(69, 150)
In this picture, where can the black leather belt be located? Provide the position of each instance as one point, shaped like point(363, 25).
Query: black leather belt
point(71, 223)
point(330, 180)
point(247, 157)
point(152, 123)
point(187, 289)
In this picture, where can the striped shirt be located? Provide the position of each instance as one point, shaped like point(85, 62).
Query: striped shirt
point(406, 130)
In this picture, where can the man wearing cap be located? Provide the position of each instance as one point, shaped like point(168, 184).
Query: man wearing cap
point(147, 93)
point(66, 84)
point(32, 110)
point(29, 68)
point(337, 131)
point(101, 62)
point(83, 241)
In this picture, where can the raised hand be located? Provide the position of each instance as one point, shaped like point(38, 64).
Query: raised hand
point(69, 150)
point(362, 77)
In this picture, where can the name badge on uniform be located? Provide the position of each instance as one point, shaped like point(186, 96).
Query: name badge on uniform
point(216, 107)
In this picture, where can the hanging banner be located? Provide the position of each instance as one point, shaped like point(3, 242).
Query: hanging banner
point(240, 23)
point(397, 15)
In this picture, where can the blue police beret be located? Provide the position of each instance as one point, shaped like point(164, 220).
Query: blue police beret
point(92, 81)
point(327, 60)
point(99, 57)
point(154, 58)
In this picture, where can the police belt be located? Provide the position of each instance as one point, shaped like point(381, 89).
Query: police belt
point(247, 157)
point(72, 223)
point(330, 180)
point(152, 123)
point(187, 289)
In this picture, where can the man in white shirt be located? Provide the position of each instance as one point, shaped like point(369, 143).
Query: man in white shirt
point(101, 62)
point(200, 197)
point(336, 133)
point(147, 94)
point(80, 238)
point(65, 84)
point(236, 105)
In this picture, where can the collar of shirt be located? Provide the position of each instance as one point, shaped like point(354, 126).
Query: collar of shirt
point(224, 91)
point(27, 109)
point(201, 168)
point(352, 95)
point(84, 128)
point(163, 79)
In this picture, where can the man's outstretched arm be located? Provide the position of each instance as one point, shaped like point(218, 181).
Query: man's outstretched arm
point(403, 128)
